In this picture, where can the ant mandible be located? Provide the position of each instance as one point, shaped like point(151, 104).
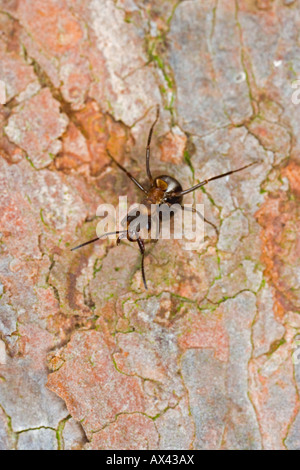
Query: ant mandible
point(164, 190)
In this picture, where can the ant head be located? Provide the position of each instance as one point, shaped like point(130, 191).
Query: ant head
point(170, 186)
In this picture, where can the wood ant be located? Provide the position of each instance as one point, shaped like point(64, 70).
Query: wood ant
point(164, 190)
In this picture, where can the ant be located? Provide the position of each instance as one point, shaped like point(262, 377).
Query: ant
point(164, 191)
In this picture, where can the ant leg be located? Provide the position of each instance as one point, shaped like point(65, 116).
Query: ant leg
point(186, 191)
point(98, 238)
point(120, 237)
point(192, 209)
point(142, 249)
point(127, 173)
point(148, 146)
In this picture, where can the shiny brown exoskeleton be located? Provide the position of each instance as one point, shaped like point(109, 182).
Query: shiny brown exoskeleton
point(164, 190)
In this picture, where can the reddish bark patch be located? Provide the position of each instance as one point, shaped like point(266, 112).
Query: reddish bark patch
point(280, 222)
point(98, 132)
point(292, 172)
point(172, 147)
point(94, 391)
point(74, 151)
point(36, 127)
point(51, 23)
